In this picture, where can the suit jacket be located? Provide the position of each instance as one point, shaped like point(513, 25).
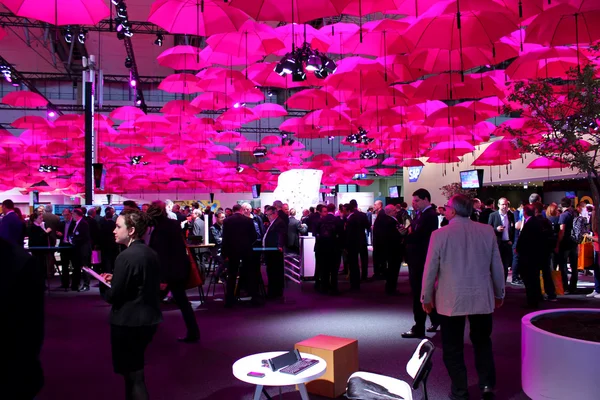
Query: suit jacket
point(82, 243)
point(395, 241)
point(356, 226)
point(167, 241)
point(107, 237)
point(135, 287)
point(532, 246)
point(468, 279)
point(12, 229)
point(380, 229)
point(311, 222)
point(38, 236)
point(238, 236)
point(276, 234)
point(417, 241)
point(337, 242)
point(495, 220)
point(22, 299)
point(293, 235)
point(94, 230)
point(52, 221)
point(484, 216)
point(65, 237)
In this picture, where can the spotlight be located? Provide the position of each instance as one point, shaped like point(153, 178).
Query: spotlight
point(120, 35)
point(82, 36)
point(133, 82)
point(299, 75)
point(137, 160)
point(352, 138)
point(259, 151)
point(329, 65)
point(287, 65)
point(239, 169)
point(321, 74)
point(128, 63)
point(51, 113)
point(138, 100)
point(159, 40)
point(127, 32)
point(314, 62)
point(284, 135)
point(121, 10)
point(15, 82)
point(47, 168)
point(368, 155)
point(116, 2)
point(330, 138)
point(68, 35)
point(269, 93)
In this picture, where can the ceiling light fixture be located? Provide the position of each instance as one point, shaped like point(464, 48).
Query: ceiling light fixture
point(239, 169)
point(47, 168)
point(159, 40)
point(82, 36)
point(304, 59)
point(259, 151)
point(68, 35)
point(368, 155)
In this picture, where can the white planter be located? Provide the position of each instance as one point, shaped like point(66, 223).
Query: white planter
point(558, 367)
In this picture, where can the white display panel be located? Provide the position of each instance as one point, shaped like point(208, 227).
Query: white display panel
point(299, 188)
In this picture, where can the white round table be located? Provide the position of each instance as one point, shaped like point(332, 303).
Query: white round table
point(253, 363)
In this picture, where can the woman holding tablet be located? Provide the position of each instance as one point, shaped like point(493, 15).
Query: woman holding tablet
point(134, 295)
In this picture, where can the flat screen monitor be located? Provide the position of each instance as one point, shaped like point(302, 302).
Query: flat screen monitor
point(394, 191)
point(414, 173)
point(255, 191)
point(472, 179)
point(570, 195)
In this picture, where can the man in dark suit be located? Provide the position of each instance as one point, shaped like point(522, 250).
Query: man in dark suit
point(380, 243)
point(328, 249)
point(275, 236)
point(51, 221)
point(238, 237)
point(167, 241)
point(417, 243)
point(82, 251)
point(363, 250)
point(11, 226)
point(313, 218)
point(356, 239)
point(530, 247)
point(394, 245)
point(22, 299)
point(66, 254)
point(484, 216)
point(503, 222)
point(108, 247)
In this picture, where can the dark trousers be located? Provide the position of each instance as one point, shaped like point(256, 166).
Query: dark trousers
point(78, 275)
point(506, 253)
point(233, 268)
point(568, 254)
point(380, 265)
point(274, 262)
point(353, 268)
point(394, 260)
point(415, 277)
point(178, 291)
point(530, 272)
point(453, 331)
point(328, 262)
point(547, 267)
point(65, 260)
point(364, 261)
point(108, 260)
point(515, 258)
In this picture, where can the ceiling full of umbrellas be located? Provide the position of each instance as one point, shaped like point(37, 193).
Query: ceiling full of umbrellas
point(407, 82)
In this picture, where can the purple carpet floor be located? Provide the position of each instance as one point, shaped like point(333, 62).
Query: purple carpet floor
point(77, 361)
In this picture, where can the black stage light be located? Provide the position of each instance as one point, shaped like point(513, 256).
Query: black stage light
point(82, 36)
point(259, 151)
point(121, 10)
point(128, 63)
point(68, 35)
point(159, 40)
point(298, 75)
point(314, 63)
point(329, 65)
point(239, 169)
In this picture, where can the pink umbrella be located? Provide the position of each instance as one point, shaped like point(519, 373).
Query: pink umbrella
point(60, 12)
point(271, 139)
point(181, 83)
point(182, 57)
point(410, 7)
point(211, 101)
point(546, 63)
point(230, 137)
point(224, 81)
point(126, 113)
point(379, 38)
point(251, 38)
point(212, 57)
point(178, 107)
point(399, 66)
point(196, 17)
point(246, 146)
point(544, 162)
point(290, 10)
point(263, 74)
point(451, 149)
point(25, 99)
point(300, 34)
point(337, 34)
point(269, 110)
point(312, 99)
point(411, 163)
point(32, 122)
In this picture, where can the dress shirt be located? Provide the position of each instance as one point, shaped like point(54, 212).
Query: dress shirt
point(506, 224)
point(66, 232)
point(267, 231)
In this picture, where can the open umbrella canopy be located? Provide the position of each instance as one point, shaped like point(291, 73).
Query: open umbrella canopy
point(290, 11)
point(60, 12)
point(25, 99)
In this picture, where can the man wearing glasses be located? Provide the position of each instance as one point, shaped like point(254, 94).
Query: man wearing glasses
point(464, 283)
point(503, 222)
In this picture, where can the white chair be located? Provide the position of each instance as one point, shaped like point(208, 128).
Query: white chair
point(369, 386)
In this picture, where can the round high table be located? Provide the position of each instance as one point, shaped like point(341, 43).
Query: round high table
point(253, 363)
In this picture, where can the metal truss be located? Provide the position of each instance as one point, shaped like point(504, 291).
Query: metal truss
point(17, 76)
point(57, 76)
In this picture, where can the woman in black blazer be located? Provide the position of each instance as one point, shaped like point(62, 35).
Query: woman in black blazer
point(38, 236)
point(134, 295)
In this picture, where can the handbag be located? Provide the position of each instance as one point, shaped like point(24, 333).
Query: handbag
point(585, 254)
point(195, 278)
point(558, 284)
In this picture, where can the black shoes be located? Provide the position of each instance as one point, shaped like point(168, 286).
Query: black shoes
point(84, 289)
point(189, 339)
point(488, 393)
point(413, 334)
point(433, 328)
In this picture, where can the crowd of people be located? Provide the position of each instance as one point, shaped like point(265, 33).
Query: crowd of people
point(143, 255)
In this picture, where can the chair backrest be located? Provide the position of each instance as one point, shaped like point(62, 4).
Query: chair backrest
point(419, 365)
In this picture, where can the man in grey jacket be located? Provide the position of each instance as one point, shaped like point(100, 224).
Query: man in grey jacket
point(464, 259)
